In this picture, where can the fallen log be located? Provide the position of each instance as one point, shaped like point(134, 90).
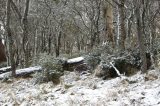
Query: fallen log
point(5, 69)
point(120, 64)
point(71, 64)
point(22, 72)
point(75, 60)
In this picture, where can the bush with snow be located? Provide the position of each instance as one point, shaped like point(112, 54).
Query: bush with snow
point(52, 68)
point(92, 60)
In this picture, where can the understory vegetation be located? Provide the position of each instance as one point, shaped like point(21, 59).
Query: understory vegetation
point(79, 52)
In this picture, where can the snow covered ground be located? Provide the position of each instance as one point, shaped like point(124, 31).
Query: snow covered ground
point(86, 90)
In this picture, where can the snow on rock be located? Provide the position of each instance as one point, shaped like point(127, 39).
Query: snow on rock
point(75, 60)
point(75, 90)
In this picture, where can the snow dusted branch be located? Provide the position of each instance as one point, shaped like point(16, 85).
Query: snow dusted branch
point(117, 71)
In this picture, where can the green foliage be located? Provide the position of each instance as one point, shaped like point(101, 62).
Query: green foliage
point(93, 60)
point(52, 68)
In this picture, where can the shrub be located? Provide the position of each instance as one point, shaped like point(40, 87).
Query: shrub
point(52, 68)
point(92, 60)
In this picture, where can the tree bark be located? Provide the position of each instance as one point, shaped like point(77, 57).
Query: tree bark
point(2, 52)
point(10, 39)
point(49, 42)
point(140, 36)
point(24, 25)
point(122, 26)
point(109, 22)
point(25, 35)
point(58, 44)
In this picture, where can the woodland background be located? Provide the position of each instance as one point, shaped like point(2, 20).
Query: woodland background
point(71, 28)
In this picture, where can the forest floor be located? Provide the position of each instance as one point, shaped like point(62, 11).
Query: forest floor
point(85, 90)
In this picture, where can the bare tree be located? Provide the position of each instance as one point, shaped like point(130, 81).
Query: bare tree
point(108, 13)
point(122, 25)
point(10, 38)
point(140, 35)
point(2, 52)
point(75, 26)
point(25, 34)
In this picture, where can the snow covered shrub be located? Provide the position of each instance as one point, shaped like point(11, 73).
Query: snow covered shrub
point(92, 60)
point(52, 68)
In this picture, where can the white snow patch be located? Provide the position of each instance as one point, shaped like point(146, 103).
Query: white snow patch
point(74, 60)
point(5, 68)
point(86, 92)
point(30, 69)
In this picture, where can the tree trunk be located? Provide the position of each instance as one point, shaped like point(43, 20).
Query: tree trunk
point(10, 39)
point(122, 26)
point(49, 43)
point(153, 45)
point(58, 44)
point(25, 35)
point(118, 25)
point(2, 52)
point(140, 37)
point(109, 22)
